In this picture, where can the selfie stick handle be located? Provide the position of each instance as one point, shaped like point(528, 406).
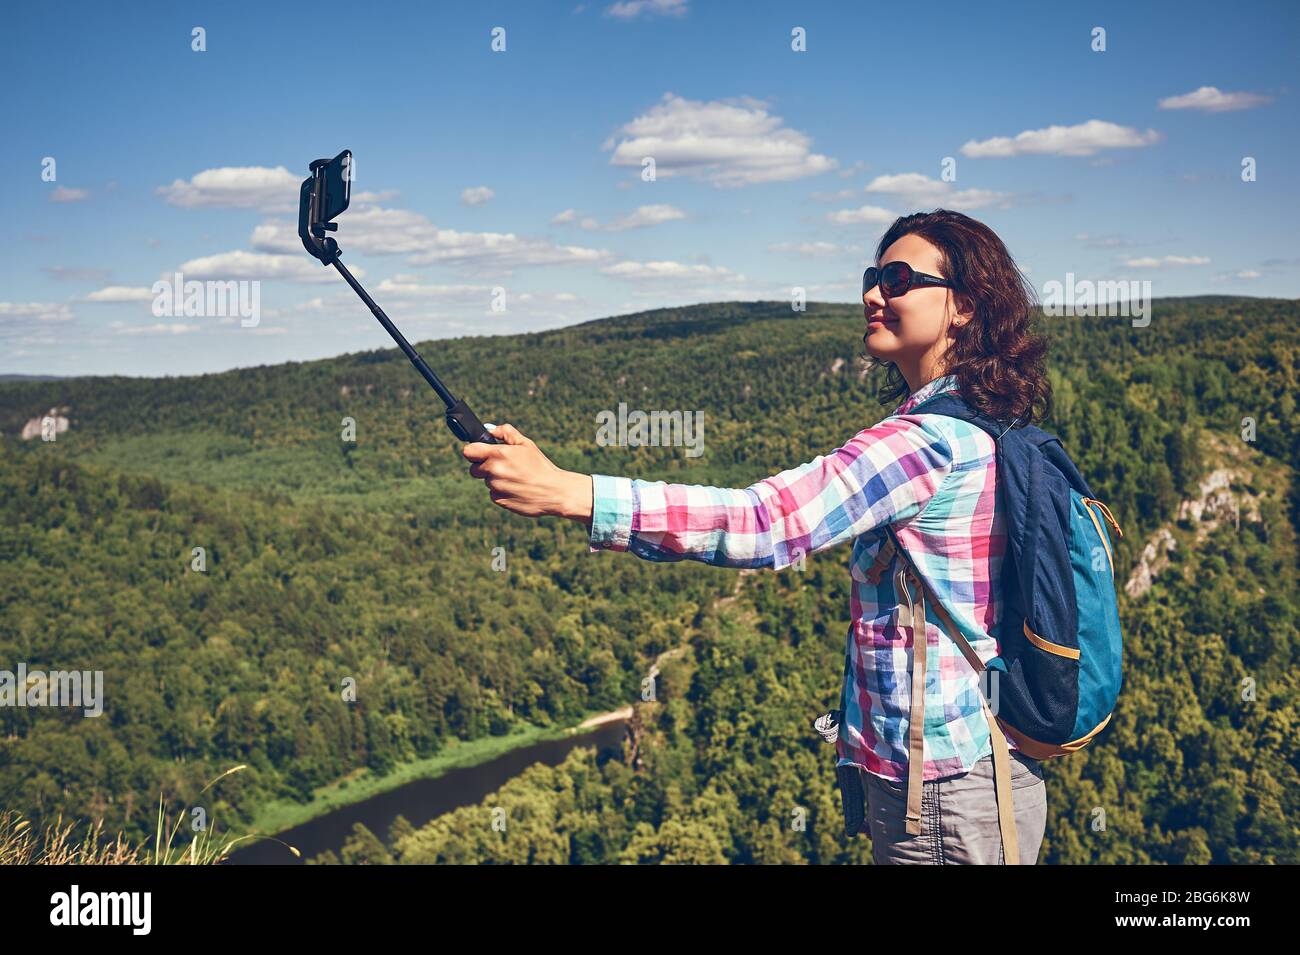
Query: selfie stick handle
point(463, 423)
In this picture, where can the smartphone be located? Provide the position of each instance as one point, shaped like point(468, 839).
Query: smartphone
point(336, 181)
point(324, 195)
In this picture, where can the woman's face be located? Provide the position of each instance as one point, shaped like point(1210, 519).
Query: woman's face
point(911, 330)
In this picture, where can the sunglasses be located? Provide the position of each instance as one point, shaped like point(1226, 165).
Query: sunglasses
point(898, 278)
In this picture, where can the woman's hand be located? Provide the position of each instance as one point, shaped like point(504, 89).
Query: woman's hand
point(523, 480)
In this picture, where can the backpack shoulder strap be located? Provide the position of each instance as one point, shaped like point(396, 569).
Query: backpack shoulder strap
point(949, 625)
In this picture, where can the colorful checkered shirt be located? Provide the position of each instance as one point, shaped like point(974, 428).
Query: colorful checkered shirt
point(933, 478)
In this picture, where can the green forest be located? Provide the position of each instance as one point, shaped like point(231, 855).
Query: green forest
point(359, 605)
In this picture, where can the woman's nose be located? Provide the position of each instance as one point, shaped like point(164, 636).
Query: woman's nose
point(872, 296)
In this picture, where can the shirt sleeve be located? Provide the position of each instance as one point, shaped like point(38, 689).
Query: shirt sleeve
point(883, 474)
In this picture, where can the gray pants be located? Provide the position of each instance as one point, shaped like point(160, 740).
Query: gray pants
point(959, 817)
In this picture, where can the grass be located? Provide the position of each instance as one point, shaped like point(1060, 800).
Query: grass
point(20, 845)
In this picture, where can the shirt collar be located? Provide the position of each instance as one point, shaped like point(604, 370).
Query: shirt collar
point(930, 388)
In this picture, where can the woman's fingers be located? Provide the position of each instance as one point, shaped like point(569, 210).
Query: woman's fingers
point(495, 463)
point(511, 435)
point(477, 451)
point(482, 451)
point(497, 473)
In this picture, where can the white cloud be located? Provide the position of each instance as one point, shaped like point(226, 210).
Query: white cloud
point(486, 251)
point(1212, 100)
point(476, 196)
point(425, 308)
point(640, 218)
point(917, 190)
point(644, 216)
point(631, 9)
point(240, 265)
point(236, 187)
point(733, 142)
point(277, 237)
point(374, 230)
point(1248, 274)
point(361, 198)
point(863, 215)
point(1081, 140)
point(31, 322)
point(371, 230)
point(68, 195)
point(1150, 262)
point(159, 328)
point(120, 293)
point(407, 286)
point(670, 271)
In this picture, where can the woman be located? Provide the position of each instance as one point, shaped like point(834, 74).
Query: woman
point(947, 310)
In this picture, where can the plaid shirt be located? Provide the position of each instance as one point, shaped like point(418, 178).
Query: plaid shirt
point(930, 476)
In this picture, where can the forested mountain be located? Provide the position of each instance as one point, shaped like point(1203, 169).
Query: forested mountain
point(381, 561)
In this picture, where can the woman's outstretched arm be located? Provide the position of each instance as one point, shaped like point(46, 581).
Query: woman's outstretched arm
point(882, 474)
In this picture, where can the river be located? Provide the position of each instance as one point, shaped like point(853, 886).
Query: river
point(421, 800)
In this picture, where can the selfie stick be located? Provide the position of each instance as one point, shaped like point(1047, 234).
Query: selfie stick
point(318, 202)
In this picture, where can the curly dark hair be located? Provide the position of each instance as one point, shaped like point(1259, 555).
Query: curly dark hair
point(998, 359)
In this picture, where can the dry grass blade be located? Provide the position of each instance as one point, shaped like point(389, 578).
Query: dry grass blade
point(19, 844)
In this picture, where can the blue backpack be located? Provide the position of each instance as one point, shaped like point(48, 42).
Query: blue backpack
point(1061, 645)
point(1058, 674)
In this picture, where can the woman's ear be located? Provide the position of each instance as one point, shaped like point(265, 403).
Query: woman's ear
point(965, 310)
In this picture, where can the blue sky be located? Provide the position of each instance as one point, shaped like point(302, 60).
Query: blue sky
point(521, 170)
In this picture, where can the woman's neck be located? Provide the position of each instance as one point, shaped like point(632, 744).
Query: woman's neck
point(917, 378)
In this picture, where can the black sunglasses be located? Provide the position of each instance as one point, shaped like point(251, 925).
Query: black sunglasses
point(898, 278)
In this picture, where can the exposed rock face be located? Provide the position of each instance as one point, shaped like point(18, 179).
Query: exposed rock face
point(1154, 559)
point(832, 369)
point(1214, 503)
point(32, 429)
